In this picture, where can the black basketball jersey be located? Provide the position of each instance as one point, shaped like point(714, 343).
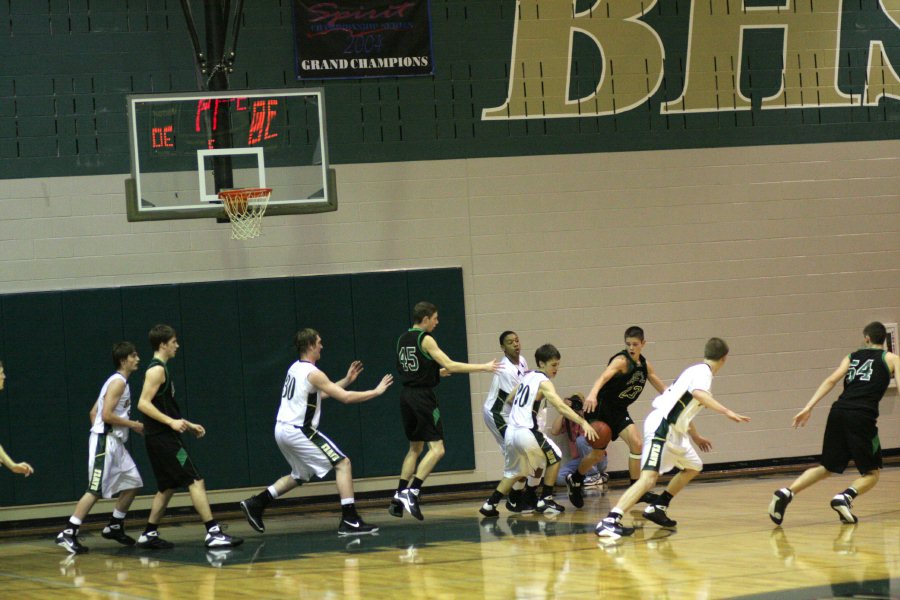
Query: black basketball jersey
point(414, 366)
point(866, 381)
point(164, 401)
point(624, 388)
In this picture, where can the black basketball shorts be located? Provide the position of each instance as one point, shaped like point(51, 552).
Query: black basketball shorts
point(616, 417)
point(851, 434)
point(421, 415)
point(172, 466)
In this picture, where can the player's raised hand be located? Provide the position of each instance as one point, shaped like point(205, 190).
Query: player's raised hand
point(589, 432)
point(492, 367)
point(356, 367)
point(386, 382)
point(590, 403)
point(801, 418)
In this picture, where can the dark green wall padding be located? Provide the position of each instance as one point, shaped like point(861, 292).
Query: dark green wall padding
point(68, 65)
point(236, 345)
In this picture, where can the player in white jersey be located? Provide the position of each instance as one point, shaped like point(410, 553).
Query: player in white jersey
point(111, 470)
point(307, 450)
point(527, 449)
point(22, 468)
point(496, 410)
point(668, 432)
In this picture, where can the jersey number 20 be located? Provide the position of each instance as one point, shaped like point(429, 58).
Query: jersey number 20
point(522, 395)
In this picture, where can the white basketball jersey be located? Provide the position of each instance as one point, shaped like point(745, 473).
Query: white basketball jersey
point(524, 409)
point(677, 402)
point(505, 380)
point(301, 401)
point(122, 409)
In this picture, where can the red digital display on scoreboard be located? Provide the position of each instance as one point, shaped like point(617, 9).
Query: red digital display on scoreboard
point(253, 119)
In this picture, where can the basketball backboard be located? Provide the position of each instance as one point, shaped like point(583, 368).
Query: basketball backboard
point(187, 147)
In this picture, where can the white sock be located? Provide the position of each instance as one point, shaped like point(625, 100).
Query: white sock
point(117, 514)
point(272, 491)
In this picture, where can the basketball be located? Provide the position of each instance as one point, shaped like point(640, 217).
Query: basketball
point(604, 435)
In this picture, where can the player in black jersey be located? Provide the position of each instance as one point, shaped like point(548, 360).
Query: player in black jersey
point(851, 430)
point(615, 390)
point(172, 466)
point(419, 364)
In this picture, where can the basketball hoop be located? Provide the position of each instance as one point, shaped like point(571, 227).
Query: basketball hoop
point(245, 209)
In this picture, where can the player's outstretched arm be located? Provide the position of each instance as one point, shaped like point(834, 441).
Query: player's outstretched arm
point(618, 365)
point(353, 371)
point(802, 417)
point(549, 391)
point(22, 468)
point(706, 399)
point(326, 386)
point(430, 346)
point(654, 379)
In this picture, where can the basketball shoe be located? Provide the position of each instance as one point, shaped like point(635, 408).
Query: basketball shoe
point(116, 531)
point(68, 540)
point(355, 527)
point(253, 510)
point(657, 514)
point(489, 510)
point(216, 538)
point(151, 541)
point(410, 501)
point(612, 528)
point(780, 500)
point(395, 508)
point(575, 492)
point(547, 506)
point(841, 504)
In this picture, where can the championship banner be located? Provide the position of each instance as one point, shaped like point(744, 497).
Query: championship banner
point(353, 39)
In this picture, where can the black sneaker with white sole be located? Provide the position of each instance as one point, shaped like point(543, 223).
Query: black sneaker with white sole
point(253, 510)
point(68, 540)
point(657, 514)
point(117, 532)
point(489, 510)
point(355, 527)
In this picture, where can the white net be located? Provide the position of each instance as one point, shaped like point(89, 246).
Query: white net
point(245, 209)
